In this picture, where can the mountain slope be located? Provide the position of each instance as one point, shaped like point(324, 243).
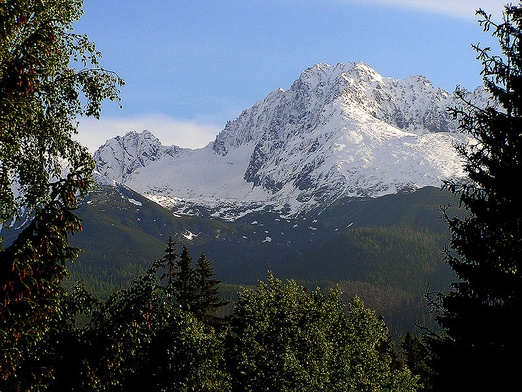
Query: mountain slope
point(386, 249)
point(339, 131)
point(123, 232)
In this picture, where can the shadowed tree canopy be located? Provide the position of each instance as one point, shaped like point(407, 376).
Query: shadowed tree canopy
point(49, 77)
point(194, 289)
point(480, 314)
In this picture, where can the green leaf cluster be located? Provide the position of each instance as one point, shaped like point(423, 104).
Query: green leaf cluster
point(137, 340)
point(286, 338)
point(32, 269)
point(280, 336)
point(43, 171)
point(42, 93)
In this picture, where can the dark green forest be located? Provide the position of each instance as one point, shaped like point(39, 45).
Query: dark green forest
point(390, 254)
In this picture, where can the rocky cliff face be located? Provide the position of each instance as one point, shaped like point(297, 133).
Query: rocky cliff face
point(412, 105)
point(121, 156)
point(338, 131)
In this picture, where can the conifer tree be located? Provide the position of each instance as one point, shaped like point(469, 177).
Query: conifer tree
point(208, 301)
point(183, 285)
point(168, 261)
point(480, 314)
point(192, 288)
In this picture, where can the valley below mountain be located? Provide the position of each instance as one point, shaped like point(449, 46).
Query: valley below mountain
point(386, 249)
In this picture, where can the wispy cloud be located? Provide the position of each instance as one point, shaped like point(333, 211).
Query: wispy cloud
point(192, 134)
point(458, 8)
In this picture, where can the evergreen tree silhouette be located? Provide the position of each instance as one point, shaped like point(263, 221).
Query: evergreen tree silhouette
point(183, 284)
point(208, 301)
point(479, 316)
point(168, 261)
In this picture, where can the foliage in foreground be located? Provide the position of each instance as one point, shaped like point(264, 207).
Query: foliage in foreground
point(280, 337)
point(480, 314)
point(138, 339)
point(43, 170)
point(285, 338)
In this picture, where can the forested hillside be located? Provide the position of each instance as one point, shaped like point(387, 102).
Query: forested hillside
point(387, 249)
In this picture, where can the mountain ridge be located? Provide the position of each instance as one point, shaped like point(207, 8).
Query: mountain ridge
point(339, 131)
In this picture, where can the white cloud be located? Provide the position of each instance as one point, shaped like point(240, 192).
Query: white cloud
point(459, 8)
point(192, 134)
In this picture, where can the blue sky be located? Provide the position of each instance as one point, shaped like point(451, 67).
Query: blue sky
point(189, 66)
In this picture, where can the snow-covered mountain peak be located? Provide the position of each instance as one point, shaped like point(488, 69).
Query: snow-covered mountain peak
point(413, 105)
point(342, 130)
point(120, 156)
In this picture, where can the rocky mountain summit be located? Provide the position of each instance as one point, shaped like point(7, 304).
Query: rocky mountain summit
point(338, 131)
